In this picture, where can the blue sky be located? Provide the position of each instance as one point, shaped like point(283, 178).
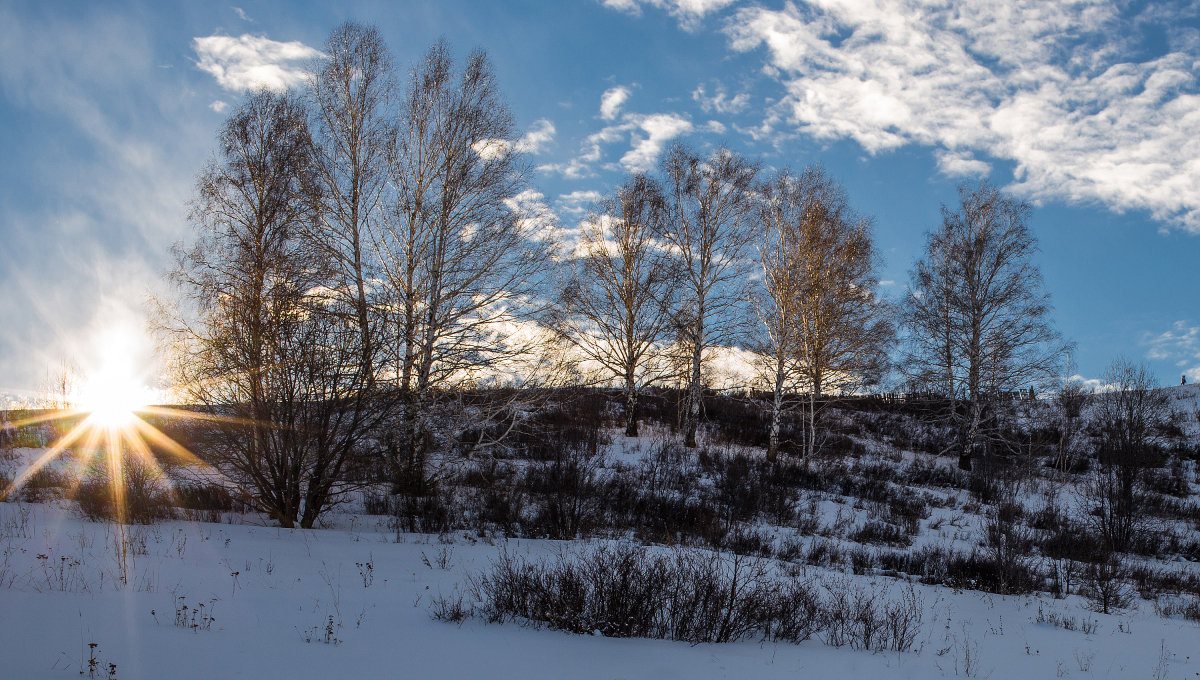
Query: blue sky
point(1090, 110)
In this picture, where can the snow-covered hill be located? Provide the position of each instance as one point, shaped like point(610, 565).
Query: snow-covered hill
point(357, 598)
point(355, 602)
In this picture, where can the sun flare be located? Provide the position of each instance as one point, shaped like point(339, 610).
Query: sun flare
point(114, 390)
point(111, 399)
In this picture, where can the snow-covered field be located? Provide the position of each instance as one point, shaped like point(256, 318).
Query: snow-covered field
point(271, 594)
point(356, 598)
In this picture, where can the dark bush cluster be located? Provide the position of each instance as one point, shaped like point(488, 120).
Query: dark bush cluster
point(694, 596)
point(43, 485)
point(138, 497)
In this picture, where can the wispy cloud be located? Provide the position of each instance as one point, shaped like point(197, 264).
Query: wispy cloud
point(537, 137)
point(961, 164)
point(248, 62)
point(689, 13)
point(656, 131)
point(533, 142)
point(1049, 86)
point(89, 237)
point(648, 135)
point(719, 100)
point(612, 100)
point(537, 219)
point(1179, 344)
point(576, 202)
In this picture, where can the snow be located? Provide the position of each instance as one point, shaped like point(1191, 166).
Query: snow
point(271, 592)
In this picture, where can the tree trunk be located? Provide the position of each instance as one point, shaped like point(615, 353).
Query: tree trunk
point(694, 395)
point(773, 444)
point(971, 436)
point(694, 390)
point(776, 410)
point(810, 438)
point(631, 420)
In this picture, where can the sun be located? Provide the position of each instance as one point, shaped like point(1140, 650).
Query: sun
point(112, 400)
point(114, 390)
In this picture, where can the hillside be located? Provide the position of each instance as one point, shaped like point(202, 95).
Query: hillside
point(503, 572)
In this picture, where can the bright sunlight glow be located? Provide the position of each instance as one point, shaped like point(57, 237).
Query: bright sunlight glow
point(114, 390)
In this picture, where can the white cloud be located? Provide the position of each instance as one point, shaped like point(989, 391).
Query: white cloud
point(961, 164)
point(219, 106)
point(648, 134)
point(538, 136)
point(720, 101)
point(242, 15)
point(689, 13)
point(1049, 86)
point(573, 169)
point(1092, 384)
point(248, 62)
point(630, 6)
point(590, 152)
point(491, 148)
point(536, 218)
point(611, 101)
point(577, 202)
point(1180, 344)
point(659, 129)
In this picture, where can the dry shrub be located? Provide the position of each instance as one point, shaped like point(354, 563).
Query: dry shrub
point(146, 497)
point(691, 595)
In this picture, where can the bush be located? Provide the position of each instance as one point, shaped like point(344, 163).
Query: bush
point(140, 498)
point(1007, 544)
point(430, 512)
point(566, 486)
point(690, 595)
point(203, 502)
point(881, 533)
point(44, 485)
point(205, 496)
point(1107, 585)
point(626, 591)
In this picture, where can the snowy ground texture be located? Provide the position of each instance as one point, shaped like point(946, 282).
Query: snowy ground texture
point(356, 602)
point(357, 599)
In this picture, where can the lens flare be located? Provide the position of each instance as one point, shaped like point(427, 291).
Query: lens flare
point(107, 418)
point(114, 389)
point(111, 399)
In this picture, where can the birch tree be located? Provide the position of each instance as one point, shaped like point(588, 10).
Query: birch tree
point(350, 92)
point(710, 228)
point(977, 317)
point(618, 303)
point(462, 266)
point(826, 330)
point(277, 375)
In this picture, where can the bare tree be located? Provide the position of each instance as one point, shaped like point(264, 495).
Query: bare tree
point(709, 227)
point(349, 90)
point(1069, 418)
point(826, 329)
point(977, 318)
point(255, 342)
point(461, 263)
point(777, 304)
point(618, 304)
point(1134, 419)
point(59, 385)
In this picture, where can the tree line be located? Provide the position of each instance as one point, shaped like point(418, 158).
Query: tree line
point(363, 270)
